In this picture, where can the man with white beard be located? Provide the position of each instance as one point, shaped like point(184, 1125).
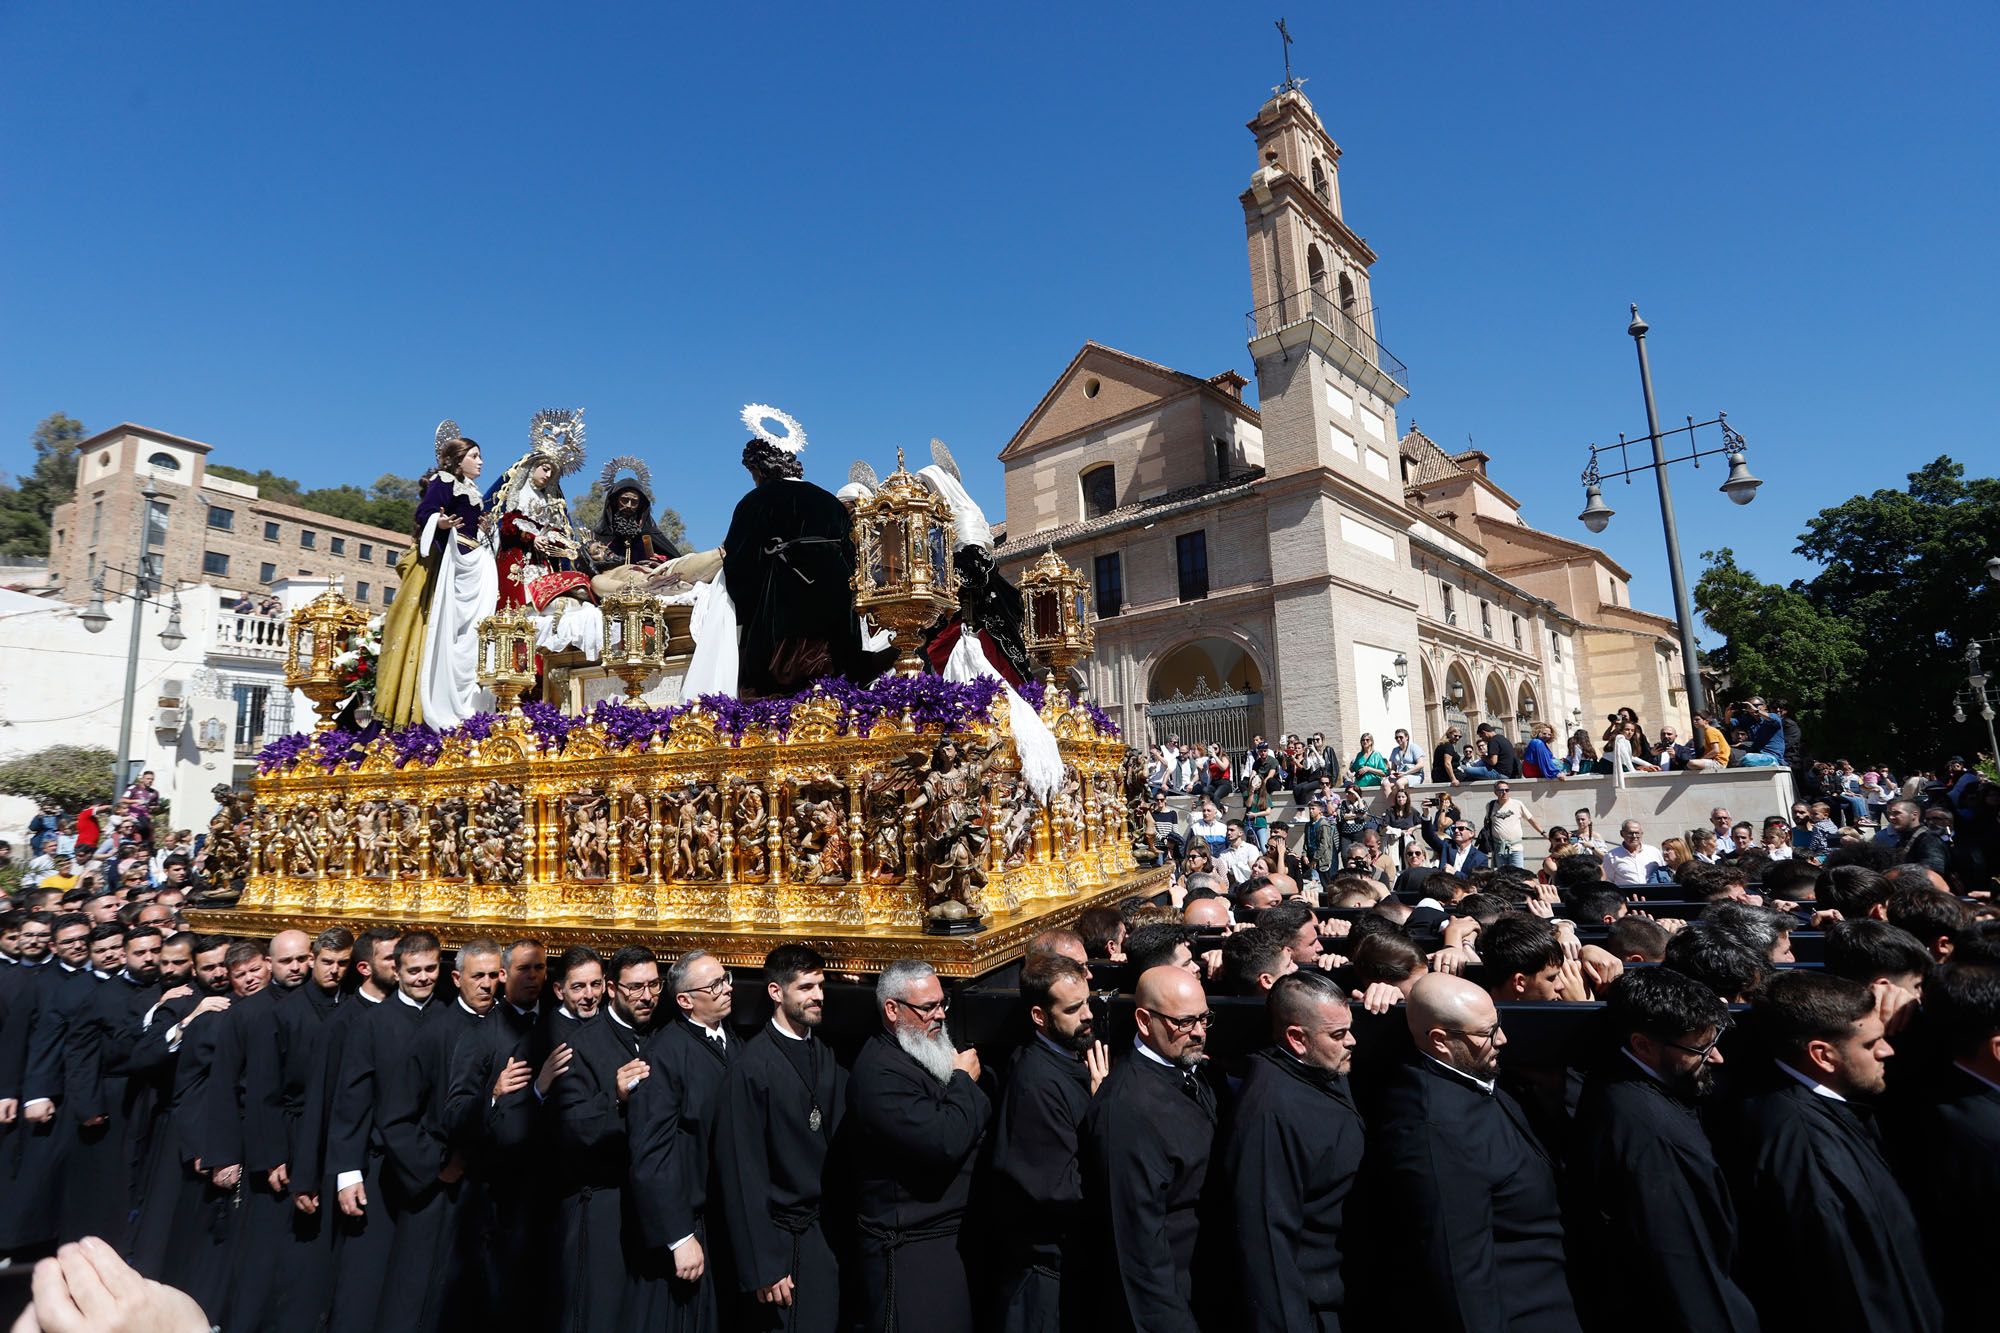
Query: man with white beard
point(915, 1116)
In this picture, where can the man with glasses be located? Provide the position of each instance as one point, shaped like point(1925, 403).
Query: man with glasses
point(783, 1098)
point(1463, 1178)
point(1460, 855)
point(670, 1121)
point(1291, 1158)
point(915, 1118)
point(1650, 1206)
point(1146, 1145)
point(588, 1108)
point(1630, 864)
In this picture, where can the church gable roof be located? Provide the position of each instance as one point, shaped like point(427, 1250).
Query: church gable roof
point(1125, 384)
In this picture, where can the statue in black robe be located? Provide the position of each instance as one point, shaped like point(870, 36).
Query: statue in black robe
point(789, 563)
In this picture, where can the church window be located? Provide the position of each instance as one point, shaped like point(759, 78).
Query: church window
point(1222, 460)
point(1110, 586)
point(165, 462)
point(1191, 555)
point(1517, 630)
point(1100, 491)
point(96, 522)
point(1316, 268)
point(1090, 387)
point(1320, 186)
point(1348, 305)
point(1486, 618)
point(1450, 603)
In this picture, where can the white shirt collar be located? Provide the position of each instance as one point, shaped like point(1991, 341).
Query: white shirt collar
point(1151, 1054)
point(613, 1013)
point(1651, 1072)
point(1487, 1083)
point(407, 1000)
point(709, 1033)
point(786, 1032)
point(469, 1009)
point(363, 993)
point(1818, 1088)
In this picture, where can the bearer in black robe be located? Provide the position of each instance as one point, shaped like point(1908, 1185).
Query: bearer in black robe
point(1034, 1173)
point(789, 561)
point(424, 1165)
point(376, 1077)
point(587, 1107)
point(240, 1129)
point(1838, 1246)
point(783, 1099)
point(493, 1111)
point(915, 1118)
point(1951, 1147)
point(1460, 1185)
point(1651, 1223)
point(42, 1139)
point(108, 1108)
point(1147, 1140)
point(1290, 1161)
point(183, 1231)
point(280, 1060)
point(670, 1121)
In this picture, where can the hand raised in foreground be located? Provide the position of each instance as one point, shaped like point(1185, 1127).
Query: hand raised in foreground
point(87, 1288)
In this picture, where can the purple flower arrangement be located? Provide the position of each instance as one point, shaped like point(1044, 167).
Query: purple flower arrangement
point(930, 703)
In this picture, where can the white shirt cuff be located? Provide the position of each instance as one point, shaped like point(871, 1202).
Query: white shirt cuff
point(682, 1241)
point(344, 1179)
point(33, 1102)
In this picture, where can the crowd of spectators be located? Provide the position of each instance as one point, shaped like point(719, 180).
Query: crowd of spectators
point(105, 847)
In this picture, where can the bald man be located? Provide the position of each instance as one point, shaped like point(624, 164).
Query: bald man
point(1146, 1144)
point(291, 959)
point(1206, 913)
point(1464, 1185)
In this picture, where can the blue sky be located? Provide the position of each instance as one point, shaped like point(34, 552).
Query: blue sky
point(304, 234)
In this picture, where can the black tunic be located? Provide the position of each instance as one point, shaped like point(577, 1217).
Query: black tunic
point(238, 1129)
point(506, 1141)
point(771, 1169)
point(789, 561)
point(61, 992)
point(375, 1080)
point(1036, 1181)
point(1817, 1195)
point(670, 1122)
point(1649, 1211)
point(911, 1142)
point(1952, 1171)
point(1146, 1145)
point(101, 1184)
point(1289, 1163)
point(183, 1231)
point(592, 1158)
point(18, 992)
point(1468, 1200)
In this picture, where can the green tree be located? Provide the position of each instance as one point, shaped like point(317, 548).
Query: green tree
point(71, 774)
point(1776, 641)
point(673, 527)
point(27, 506)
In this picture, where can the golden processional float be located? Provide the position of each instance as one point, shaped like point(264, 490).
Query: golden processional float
point(876, 824)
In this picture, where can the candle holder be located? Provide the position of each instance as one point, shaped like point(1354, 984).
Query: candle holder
point(507, 657)
point(315, 634)
point(636, 638)
point(1058, 632)
point(903, 576)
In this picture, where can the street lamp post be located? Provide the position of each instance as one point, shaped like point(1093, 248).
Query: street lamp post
point(1740, 486)
point(1978, 694)
point(95, 618)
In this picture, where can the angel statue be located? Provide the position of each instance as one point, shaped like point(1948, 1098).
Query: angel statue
point(527, 523)
point(628, 550)
point(429, 668)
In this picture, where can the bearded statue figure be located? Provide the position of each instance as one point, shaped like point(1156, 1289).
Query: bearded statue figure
point(627, 549)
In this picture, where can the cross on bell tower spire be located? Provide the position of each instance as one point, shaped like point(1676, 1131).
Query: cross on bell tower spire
point(1290, 83)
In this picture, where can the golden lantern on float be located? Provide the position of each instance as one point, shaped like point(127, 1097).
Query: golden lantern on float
point(903, 575)
point(636, 637)
point(315, 634)
point(507, 657)
point(1057, 633)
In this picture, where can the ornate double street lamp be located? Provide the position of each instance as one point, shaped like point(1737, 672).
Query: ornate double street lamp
point(1057, 633)
point(145, 585)
point(636, 638)
point(903, 575)
point(1739, 486)
point(507, 657)
point(1979, 693)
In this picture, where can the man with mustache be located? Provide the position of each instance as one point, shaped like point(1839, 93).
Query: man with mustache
point(1037, 1181)
point(782, 1103)
point(1649, 1201)
point(1291, 1159)
point(915, 1117)
point(1147, 1139)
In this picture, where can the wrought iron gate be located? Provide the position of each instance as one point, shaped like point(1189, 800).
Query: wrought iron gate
point(1228, 718)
